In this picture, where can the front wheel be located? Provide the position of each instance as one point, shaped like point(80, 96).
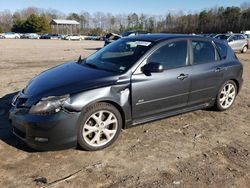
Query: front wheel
point(244, 50)
point(226, 96)
point(100, 127)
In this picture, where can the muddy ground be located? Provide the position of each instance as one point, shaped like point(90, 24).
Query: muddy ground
point(197, 149)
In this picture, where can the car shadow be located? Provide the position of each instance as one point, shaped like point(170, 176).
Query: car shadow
point(92, 48)
point(6, 134)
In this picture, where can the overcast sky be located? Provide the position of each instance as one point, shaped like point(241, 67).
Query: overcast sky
point(119, 6)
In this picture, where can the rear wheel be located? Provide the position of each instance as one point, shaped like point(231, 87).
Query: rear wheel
point(244, 50)
point(226, 96)
point(100, 127)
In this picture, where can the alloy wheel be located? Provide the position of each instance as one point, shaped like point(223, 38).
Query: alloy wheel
point(100, 128)
point(244, 49)
point(227, 95)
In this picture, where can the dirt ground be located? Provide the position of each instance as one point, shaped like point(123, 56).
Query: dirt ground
point(198, 149)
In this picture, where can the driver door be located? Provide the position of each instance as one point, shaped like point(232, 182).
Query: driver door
point(159, 93)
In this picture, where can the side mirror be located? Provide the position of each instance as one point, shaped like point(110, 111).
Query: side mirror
point(152, 68)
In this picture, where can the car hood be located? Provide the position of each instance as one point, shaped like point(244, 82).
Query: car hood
point(68, 78)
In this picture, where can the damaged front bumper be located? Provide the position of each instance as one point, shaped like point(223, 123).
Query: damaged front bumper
point(45, 132)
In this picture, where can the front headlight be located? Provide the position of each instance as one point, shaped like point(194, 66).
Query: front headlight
point(49, 105)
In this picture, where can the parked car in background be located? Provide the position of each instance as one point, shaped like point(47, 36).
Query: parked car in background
point(132, 33)
point(247, 35)
point(44, 36)
point(51, 36)
point(1, 36)
point(111, 37)
point(131, 81)
point(11, 35)
point(237, 42)
point(30, 36)
point(73, 37)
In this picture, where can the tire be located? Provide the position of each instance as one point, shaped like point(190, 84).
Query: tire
point(244, 49)
point(100, 126)
point(226, 96)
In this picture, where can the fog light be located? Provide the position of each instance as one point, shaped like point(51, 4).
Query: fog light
point(39, 139)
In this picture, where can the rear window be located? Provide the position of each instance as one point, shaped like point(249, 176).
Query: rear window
point(222, 50)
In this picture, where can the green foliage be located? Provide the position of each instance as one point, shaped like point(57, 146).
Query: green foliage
point(44, 23)
point(18, 26)
point(33, 24)
point(1, 30)
point(246, 19)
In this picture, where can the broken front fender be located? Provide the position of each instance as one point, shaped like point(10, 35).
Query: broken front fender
point(117, 94)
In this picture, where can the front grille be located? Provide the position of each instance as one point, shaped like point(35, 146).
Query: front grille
point(19, 133)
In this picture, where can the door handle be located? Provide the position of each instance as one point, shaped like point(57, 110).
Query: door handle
point(182, 76)
point(218, 69)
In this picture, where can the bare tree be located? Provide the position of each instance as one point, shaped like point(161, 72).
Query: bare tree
point(6, 20)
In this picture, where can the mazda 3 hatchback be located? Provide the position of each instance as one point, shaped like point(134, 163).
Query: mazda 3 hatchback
point(131, 81)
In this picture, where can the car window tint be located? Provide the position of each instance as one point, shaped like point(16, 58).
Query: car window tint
point(203, 52)
point(222, 50)
point(171, 55)
point(234, 38)
point(241, 37)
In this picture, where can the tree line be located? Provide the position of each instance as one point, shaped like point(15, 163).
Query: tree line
point(213, 20)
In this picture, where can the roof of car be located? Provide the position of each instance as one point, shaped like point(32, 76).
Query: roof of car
point(161, 37)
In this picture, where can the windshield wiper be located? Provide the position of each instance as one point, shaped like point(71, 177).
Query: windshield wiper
point(91, 65)
point(96, 67)
point(79, 59)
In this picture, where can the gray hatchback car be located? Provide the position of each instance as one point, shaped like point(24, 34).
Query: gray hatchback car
point(131, 81)
point(237, 42)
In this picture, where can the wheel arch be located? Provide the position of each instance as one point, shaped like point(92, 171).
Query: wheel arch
point(237, 84)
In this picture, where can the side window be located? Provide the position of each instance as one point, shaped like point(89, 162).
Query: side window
point(241, 37)
point(171, 55)
point(203, 52)
point(222, 50)
point(233, 38)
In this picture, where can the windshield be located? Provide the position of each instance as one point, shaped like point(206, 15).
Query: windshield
point(222, 37)
point(118, 56)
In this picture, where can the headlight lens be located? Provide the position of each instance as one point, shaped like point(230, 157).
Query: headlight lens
point(48, 105)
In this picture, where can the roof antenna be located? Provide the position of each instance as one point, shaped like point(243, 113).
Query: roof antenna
point(79, 59)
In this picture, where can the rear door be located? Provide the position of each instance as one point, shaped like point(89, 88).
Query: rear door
point(166, 91)
point(233, 42)
point(207, 72)
point(242, 41)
